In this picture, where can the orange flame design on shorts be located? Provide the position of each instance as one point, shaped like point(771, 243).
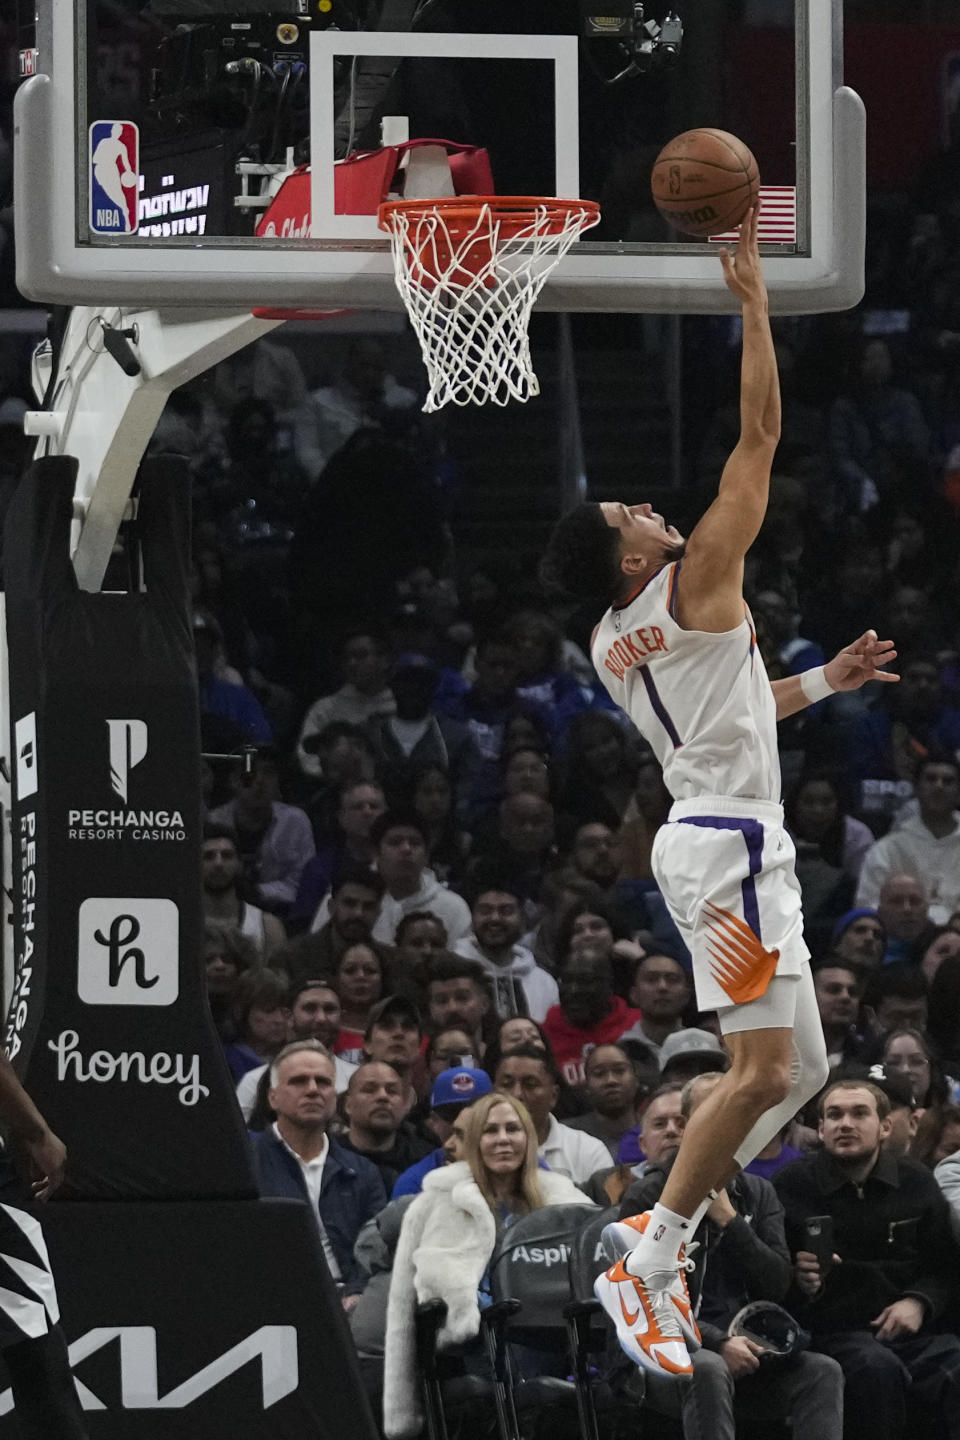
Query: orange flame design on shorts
point(741, 966)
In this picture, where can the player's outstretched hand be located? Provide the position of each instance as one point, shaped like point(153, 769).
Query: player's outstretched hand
point(860, 662)
point(742, 270)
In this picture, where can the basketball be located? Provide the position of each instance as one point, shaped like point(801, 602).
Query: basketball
point(704, 181)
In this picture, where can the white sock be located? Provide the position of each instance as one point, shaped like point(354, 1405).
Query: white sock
point(659, 1246)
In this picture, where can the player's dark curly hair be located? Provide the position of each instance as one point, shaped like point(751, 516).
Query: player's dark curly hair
point(581, 558)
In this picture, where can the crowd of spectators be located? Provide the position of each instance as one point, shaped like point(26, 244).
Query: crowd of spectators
point(435, 951)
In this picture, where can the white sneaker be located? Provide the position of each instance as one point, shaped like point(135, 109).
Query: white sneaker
point(622, 1236)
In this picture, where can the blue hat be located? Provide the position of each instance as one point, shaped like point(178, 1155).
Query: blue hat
point(459, 1087)
point(845, 921)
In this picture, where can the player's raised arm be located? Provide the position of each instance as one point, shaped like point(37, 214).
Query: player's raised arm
point(710, 588)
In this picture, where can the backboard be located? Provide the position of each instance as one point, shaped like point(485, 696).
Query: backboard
point(150, 126)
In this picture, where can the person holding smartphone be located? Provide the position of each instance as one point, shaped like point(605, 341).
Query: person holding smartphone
point(876, 1264)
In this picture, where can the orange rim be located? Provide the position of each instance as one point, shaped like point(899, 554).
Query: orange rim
point(460, 212)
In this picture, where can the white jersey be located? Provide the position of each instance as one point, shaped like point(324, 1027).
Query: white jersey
point(703, 701)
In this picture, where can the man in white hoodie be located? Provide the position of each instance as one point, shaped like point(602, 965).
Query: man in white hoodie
point(400, 843)
point(520, 985)
point(926, 845)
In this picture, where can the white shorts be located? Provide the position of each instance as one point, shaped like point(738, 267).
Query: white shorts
point(726, 871)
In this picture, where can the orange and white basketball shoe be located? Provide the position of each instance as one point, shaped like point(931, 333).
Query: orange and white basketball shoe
point(623, 1236)
point(646, 1319)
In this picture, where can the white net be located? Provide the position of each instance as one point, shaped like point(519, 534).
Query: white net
point(469, 276)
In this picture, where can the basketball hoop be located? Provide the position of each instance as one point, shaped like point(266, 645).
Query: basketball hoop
point(469, 269)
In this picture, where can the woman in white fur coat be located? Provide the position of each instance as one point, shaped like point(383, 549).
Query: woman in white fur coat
point(448, 1236)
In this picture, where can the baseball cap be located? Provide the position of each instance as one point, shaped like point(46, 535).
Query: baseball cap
point(772, 1328)
point(895, 1086)
point(847, 919)
point(392, 1005)
point(688, 1043)
point(459, 1087)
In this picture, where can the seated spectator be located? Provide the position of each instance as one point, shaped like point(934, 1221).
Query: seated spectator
point(523, 844)
point(520, 985)
point(314, 1015)
point(432, 801)
point(589, 926)
point(447, 1049)
point(817, 820)
point(907, 1050)
point(345, 756)
point(839, 989)
point(588, 1014)
point(259, 1021)
point(860, 940)
point(600, 769)
point(930, 951)
point(904, 1114)
point(938, 1136)
point(295, 1157)
point(458, 994)
point(926, 846)
point(653, 1140)
point(902, 911)
point(690, 1052)
point(400, 841)
point(413, 738)
point(908, 721)
point(781, 622)
point(518, 1030)
point(486, 707)
point(542, 679)
point(874, 428)
point(360, 804)
point(448, 1235)
point(226, 699)
point(661, 991)
point(743, 1258)
point(365, 395)
point(596, 855)
point(221, 871)
point(393, 1036)
point(530, 1075)
point(418, 944)
point(375, 1104)
point(452, 1093)
point(274, 839)
point(226, 956)
point(365, 693)
point(614, 1091)
point(359, 978)
point(643, 818)
point(350, 913)
point(943, 1025)
point(896, 999)
point(895, 1268)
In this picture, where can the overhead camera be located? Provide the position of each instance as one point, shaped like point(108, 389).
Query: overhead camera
point(644, 44)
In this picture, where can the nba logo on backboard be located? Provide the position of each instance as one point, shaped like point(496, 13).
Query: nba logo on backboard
point(114, 177)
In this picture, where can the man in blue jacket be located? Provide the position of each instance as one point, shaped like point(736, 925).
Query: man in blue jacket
point(297, 1159)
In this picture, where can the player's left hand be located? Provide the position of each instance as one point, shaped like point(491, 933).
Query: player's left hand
point(860, 662)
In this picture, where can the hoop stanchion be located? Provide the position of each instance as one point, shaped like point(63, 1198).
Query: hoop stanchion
point(469, 269)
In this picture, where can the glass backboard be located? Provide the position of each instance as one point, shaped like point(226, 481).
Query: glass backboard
point(150, 127)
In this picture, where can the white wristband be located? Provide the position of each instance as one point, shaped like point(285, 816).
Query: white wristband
point(815, 684)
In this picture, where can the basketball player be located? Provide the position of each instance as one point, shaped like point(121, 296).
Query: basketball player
point(677, 651)
point(34, 1348)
